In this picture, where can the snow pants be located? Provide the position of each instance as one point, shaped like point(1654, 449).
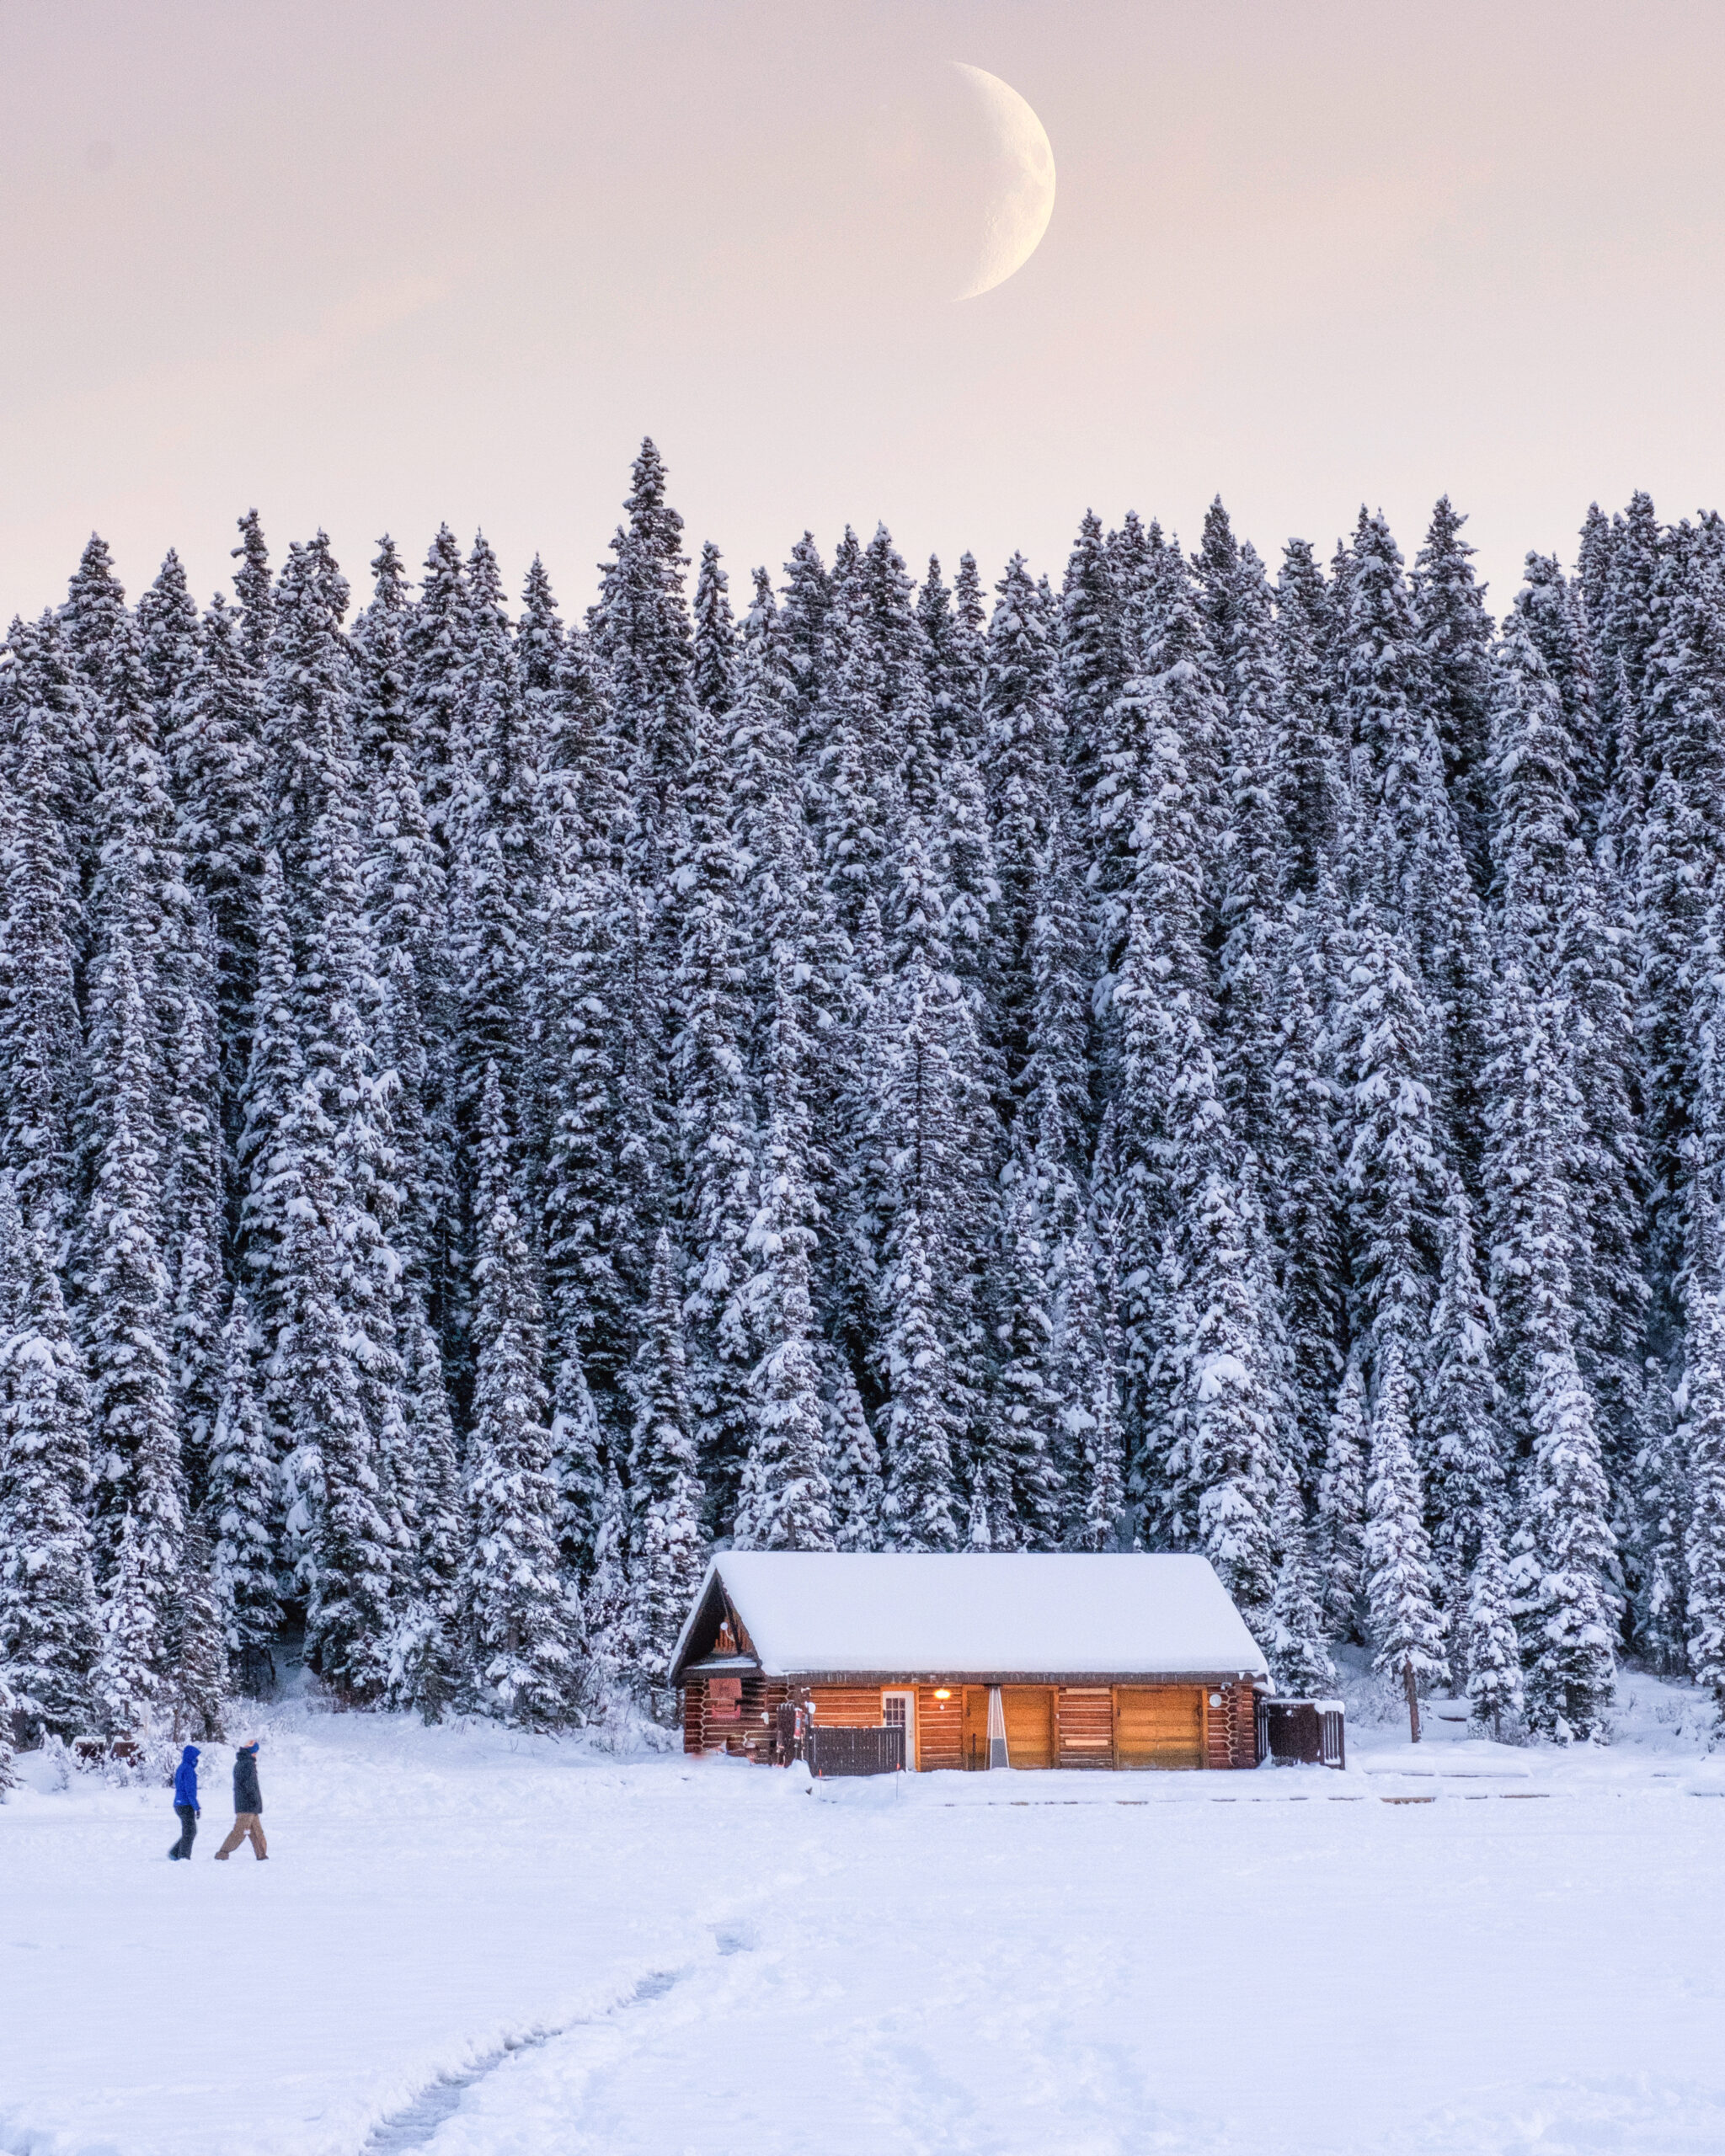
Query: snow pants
point(188, 1818)
point(247, 1826)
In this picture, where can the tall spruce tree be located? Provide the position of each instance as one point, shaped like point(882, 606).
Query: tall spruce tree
point(49, 1625)
point(665, 1544)
point(244, 1507)
point(518, 1616)
point(1406, 1626)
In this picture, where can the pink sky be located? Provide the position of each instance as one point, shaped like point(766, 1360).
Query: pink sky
point(372, 266)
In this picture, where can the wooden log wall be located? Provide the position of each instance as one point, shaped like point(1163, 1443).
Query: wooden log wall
point(940, 1727)
point(1084, 1720)
point(1231, 1730)
point(850, 1706)
point(737, 1715)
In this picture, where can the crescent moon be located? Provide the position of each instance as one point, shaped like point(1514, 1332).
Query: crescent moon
point(1017, 217)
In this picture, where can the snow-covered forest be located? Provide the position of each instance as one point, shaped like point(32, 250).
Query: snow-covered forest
point(1203, 1054)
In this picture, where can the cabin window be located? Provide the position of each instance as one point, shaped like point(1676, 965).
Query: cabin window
point(725, 1695)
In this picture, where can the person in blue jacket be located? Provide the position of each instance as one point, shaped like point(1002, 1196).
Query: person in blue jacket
point(186, 1801)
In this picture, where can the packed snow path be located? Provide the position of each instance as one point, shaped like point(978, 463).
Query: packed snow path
point(481, 1946)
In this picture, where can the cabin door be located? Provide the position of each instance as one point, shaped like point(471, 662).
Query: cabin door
point(898, 1710)
point(1030, 1724)
point(976, 1727)
point(1160, 1726)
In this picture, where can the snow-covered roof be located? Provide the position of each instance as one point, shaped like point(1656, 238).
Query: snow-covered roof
point(811, 1614)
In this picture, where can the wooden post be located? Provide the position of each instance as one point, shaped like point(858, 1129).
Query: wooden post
point(1412, 1692)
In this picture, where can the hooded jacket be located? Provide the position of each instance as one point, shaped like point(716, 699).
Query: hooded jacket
point(246, 1794)
point(185, 1778)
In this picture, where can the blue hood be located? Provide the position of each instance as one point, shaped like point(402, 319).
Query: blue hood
point(185, 1778)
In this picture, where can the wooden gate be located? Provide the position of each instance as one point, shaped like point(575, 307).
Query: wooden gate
point(1030, 1724)
point(831, 1752)
point(1161, 1726)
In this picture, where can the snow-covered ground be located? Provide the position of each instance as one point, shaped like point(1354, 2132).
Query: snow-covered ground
point(479, 1946)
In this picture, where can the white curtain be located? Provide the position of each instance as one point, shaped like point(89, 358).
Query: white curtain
point(996, 1729)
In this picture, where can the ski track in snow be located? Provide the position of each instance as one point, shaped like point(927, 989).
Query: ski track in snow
point(469, 1943)
point(413, 2127)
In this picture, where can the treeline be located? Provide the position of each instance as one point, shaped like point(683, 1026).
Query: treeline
point(1195, 1060)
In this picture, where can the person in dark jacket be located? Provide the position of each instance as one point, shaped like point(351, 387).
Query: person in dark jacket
point(247, 1806)
point(185, 1801)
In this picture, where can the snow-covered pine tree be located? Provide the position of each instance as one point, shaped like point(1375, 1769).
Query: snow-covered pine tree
point(1094, 664)
point(857, 1493)
point(789, 1476)
point(47, 711)
point(927, 1134)
point(197, 1646)
point(214, 760)
point(923, 1423)
point(1311, 754)
point(1299, 1662)
point(516, 1609)
point(1680, 850)
point(436, 645)
point(1660, 1496)
point(95, 606)
point(577, 1462)
point(253, 584)
point(275, 1072)
point(808, 598)
point(642, 634)
point(1340, 1524)
point(135, 1427)
point(492, 828)
point(140, 873)
point(1089, 1456)
point(1392, 1170)
point(716, 1140)
point(1406, 1626)
point(1025, 784)
point(1461, 1432)
point(306, 725)
point(1565, 1566)
point(426, 1666)
point(1304, 1218)
point(542, 662)
point(194, 1199)
point(851, 784)
point(337, 1537)
point(606, 1136)
point(715, 637)
point(49, 1626)
point(243, 1507)
point(1456, 637)
point(1701, 1438)
point(41, 1044)
point(168, 631)
point(610, 1655)
point(1226, 1460)
point(125, 1289)
point(1386, 695)
point(1551, 609)
point(382, 720)
point(666, 1549)
point(1487, 1645)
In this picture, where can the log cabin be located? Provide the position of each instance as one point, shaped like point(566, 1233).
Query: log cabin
point(982, 1660)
